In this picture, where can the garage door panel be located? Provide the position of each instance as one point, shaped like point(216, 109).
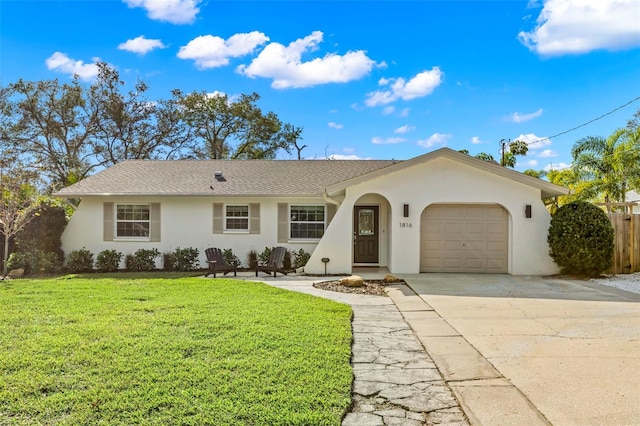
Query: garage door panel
point(473, 265)
point(474, 246)
point(455, 245)
point(475, 228)
point(496, 265)
point(495, 246)
point(495, 228)
point(464, 238)
point(453, 263)
point(453, 227)
point(496, 212)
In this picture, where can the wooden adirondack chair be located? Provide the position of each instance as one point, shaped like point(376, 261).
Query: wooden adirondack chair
point(275, 262)
point(217, 263)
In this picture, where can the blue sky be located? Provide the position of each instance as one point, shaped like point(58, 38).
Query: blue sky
point(382, 79)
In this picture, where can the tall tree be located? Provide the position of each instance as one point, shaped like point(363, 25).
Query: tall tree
point(293, 135)
point(226, 128)
point(129, 126)
point(606, 168)
point(515, 149)
point(55, 126)
point(17, 200)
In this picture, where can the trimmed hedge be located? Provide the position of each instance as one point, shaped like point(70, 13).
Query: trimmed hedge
point(581, 239)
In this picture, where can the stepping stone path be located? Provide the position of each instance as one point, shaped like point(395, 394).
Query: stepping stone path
point(395, 380)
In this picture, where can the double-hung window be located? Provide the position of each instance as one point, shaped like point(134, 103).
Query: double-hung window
point(307, 222)
point(236, 218)
point(133, 220)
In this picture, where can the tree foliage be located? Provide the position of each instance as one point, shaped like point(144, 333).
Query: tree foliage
point(55, 125)
point(509, 154)
point(606, 168)
point(515, 149)
point(232, 128)
point(129, 125)
point(69, 130)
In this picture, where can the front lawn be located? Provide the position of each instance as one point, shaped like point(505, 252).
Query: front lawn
point(122, 350)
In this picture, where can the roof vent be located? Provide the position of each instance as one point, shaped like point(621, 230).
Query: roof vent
point(219, 177)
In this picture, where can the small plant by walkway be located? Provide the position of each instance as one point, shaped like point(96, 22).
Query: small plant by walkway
point(116, 350)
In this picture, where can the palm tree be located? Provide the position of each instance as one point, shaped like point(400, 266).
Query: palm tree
point(606, 168)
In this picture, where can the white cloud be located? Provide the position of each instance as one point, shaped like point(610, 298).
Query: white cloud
point(335, 125)
point(517, 117)
point(346, 157)
point(531, 163)
point(534, 142)
point(173, 11)
point(557, 166)
point(349, 150)
point(60, 62)
point(404, 129)
point(476, 140)
point(386, 141)
point(388, 110)
point(422, 84)
point(212, 51)
point(284, 64)
point(547, 153)
point(141, 45)
point(580, 26)
point(404, 112)
point(436, 139)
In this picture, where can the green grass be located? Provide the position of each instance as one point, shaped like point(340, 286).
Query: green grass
point(121, 350)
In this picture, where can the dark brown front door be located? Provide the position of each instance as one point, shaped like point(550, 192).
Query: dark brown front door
point(365, 234)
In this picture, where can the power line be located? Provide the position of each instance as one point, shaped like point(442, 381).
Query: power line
point(585, 124)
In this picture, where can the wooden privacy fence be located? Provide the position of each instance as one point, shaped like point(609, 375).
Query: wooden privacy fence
point(626, 250)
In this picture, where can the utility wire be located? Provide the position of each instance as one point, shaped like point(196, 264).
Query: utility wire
point(585, 124)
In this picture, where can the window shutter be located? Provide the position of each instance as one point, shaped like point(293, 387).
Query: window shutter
point(217, 218)
point(283, 222)
point(107, 222)
point(154, 222)
point(331, 212)
point(254, 218)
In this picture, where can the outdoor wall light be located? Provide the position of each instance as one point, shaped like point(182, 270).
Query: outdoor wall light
point(406, 210)
point(527, 211)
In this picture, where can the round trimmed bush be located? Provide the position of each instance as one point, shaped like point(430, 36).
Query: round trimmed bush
point(581, 239)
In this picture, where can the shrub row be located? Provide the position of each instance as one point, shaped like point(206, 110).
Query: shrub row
point(142, 260)
point(182, 259)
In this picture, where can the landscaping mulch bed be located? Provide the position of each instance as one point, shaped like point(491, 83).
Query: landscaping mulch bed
point(371, 287)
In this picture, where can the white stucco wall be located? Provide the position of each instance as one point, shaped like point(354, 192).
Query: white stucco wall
point(185, 222)
point(188, 221)
point(439, 181)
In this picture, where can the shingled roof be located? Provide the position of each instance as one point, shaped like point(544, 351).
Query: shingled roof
point(240, 177)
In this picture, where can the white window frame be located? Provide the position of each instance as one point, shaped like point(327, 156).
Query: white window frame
point(132, 238)
point(225, 217)
point(291, 222)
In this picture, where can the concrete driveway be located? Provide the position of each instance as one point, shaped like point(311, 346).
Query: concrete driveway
point(524, 350)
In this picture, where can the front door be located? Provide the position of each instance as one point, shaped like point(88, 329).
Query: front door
point(365, 234)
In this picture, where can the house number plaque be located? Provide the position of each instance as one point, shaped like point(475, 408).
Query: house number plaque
point(406, 225)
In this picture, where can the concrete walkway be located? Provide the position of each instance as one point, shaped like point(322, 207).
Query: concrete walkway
point(395, 380)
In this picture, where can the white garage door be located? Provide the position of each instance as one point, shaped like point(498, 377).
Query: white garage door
point(464, 238)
